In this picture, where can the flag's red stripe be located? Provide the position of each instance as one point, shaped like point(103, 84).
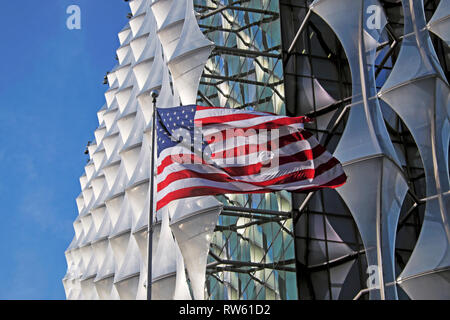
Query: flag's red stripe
point(223, 177)
point(272, 124)
point(270, 145)
point(243, 132)
point(232, 171)
point(301, 156)
point(212, 191)
point(169, 160)
point(226, 118)
point(206, 108)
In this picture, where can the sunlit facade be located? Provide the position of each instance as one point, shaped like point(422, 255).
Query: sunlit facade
point(373, 74)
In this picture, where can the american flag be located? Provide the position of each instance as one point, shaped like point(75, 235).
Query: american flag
point(212, 150)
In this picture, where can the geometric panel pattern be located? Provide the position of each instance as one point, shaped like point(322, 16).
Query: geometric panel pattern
point(161, 48)
point(374, 78)
point(376, 81)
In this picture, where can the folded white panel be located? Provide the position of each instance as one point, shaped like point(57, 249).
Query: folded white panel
point(86, 254)
point(142, 8)
point(142, 169)
point(114, 295)
point(110, 173)
point(114, 159)
point(89, 290)
point(136, 23)
point(418, 92)
point(164, 263)
point(142, 242)
point(90, 232)
point(98, 215)
point(130, 156)
point(127, 288)
point(99, 157)
point(120, 182)
point(154, 79)
point(91, 149)
point(141, 293)
point(148, 51)
point(142, 71)
point(97, 185)
point(80, 203)
point(189, 57)
point(131, 262)
point(138, 45)
point(135, 135)
point(160, 9)
point(104, 288)
point(75, 292)
point(105, 227)
point(164, 260)
point(124, 35)
point(148, 25)
point(112, 82)
point(376, 216)
point(138, 196)
point(79, 233)
point(193, 227)
point(110, 117)
point(83, 181)
point(110, 95)
point(440, 22)
point(123, 98)
point(113, 206)
point(181, 286)
point(136, 5)
point(119, 245)
point(123, 223)
point(140, 221)
point(167, 98)
point(123, 53)
point(107, 266)
point(100, 200)
point(170, 30)
point(90, 170)
point(163, 287)
point(122, 74)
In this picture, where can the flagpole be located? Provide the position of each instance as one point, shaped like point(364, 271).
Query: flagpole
point(154, 94)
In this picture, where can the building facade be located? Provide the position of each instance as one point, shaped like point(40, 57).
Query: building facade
point(374, 76)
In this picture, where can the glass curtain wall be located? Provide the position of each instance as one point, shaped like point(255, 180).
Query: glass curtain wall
point(252, 253)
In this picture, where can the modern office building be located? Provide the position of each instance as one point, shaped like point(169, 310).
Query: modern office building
point(374, 76)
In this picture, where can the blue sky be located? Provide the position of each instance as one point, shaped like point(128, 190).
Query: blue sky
point(50, 91)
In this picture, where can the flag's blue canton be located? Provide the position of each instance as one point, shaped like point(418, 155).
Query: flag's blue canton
point(171, 119)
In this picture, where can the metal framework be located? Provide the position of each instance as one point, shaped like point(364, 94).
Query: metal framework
point(252, 254)
point(307, 37)
point(309, 51)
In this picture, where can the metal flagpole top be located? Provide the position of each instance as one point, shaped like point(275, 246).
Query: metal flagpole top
point(154, 94)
